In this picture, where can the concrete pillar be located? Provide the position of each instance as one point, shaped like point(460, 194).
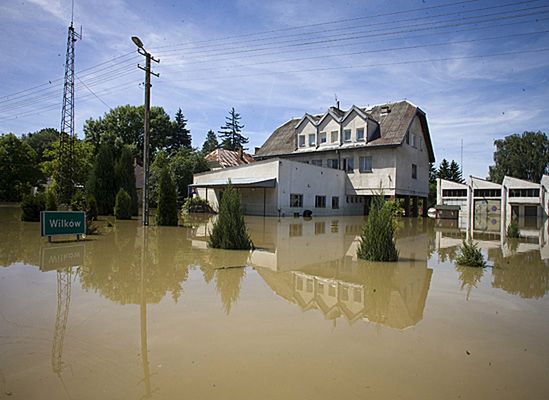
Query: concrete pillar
point(406, 206)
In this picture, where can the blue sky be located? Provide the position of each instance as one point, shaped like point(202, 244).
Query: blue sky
point(479, 69)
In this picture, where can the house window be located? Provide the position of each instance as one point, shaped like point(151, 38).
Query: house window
point(347, 135)
point(365, 164)
point(348, 164)
point(414, 171)
point(413, 140)
point(360, 134)
point(334, 136)
point(301, 139)
point(454, 192)
point(523, 192)
point(318, 163)
point(312, 139)
point(333, 163)
point(335, 202)
point(320, 201)
point(320, 228)
point(322, 137)
point(296, 200)
point(487, 192)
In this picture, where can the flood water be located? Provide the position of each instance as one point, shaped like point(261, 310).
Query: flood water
point(130, 314)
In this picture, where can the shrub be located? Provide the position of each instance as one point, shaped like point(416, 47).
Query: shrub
point(167, 200)
point(123, 205)
point(78, 201)
point(31, 205)
point(395, 208)
point(229, 230)
point(196, 205)
point(470, 255)
point(377, 242)
point(91, 211)
point(51, 200)
point(513, 230)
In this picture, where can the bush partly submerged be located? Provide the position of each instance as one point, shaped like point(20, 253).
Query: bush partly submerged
point(229, 230)
point(31, 205)
point(513, 230)
point(470, 255)
point(377, 242)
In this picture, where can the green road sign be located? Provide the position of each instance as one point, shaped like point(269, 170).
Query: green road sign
point(62, 223)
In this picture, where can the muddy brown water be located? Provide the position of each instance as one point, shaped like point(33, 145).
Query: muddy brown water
point(130, 314)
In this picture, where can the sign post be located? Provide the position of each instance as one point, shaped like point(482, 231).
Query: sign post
point(53, 223)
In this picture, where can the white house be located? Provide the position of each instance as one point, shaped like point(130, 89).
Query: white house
point(350, 156)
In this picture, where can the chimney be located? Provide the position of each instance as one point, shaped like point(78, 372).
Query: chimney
point(337, 104)
point(240, 154)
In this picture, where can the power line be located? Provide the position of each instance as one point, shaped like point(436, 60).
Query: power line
point(92, 92)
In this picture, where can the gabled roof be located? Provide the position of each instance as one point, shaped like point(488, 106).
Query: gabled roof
point(307, 117)
point(333, 112)
point(359, 111)
point(228, 158)
point(393, 126)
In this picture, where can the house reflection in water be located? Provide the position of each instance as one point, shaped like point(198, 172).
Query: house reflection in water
point(313, 264)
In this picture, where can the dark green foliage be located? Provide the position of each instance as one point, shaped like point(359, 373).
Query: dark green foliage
point(160, 162)
point(455, 172)
point(524, 156)
point(443, 169)
point(123, 205)
point(183, 165)
point(470, 255)
point(377, 242)
point(19, 170)
point(124, 125)
point(167, 202)
point(229, 230)
point(78, 201)
point(31, 205)
point(513, 230)
point(196, 205)
point(41, 140)
point(51, 199)
point(231, 133)
point(181, 136)
point(91, 204)
point(125, 176)
point(102, 180)
point(432, 199)
point(211, 143)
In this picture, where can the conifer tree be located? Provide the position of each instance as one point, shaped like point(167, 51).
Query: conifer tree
point(377, 242)
point(167, 200)
point(123, 206)
point(125, 176)
point(102, 182)
point(180, 136)
point(455, 172)
point(211, 143)
point(231, 133)
point(444, 170)
point(229, 230)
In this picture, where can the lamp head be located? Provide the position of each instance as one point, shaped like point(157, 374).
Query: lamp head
point(137, 42)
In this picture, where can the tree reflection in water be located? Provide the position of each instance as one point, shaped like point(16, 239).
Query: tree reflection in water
point(470, 277)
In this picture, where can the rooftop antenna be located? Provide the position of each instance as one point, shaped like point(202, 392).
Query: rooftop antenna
point(336, 100)
point(67, 135)
point(461, 161)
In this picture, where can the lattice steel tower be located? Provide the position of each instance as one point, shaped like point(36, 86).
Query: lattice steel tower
point(66, 145)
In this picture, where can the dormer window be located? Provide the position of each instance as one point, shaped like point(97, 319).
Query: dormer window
point(301, 140)
point(347, 135)
point(334, 136)
point(312, 139)
point(322, 137)
point(360, 134)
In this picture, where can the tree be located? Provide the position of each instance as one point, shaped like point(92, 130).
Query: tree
point(377, 242)
point(523, 156)
point(160, 162)
point(230, 133)
point(455, 172)
point(18, 168)
point(432, 199)
point(181, 136)
point(229, 230)
point(167, 201)
point(125, 176)
point(81, 166)
point(124, 125)
point(443, 170)
point(123, 205)
point(41, 140)
point(183, 165)
point(211, 143)
point(102, 182)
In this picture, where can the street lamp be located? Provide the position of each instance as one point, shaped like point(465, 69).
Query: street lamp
point(148, 57)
